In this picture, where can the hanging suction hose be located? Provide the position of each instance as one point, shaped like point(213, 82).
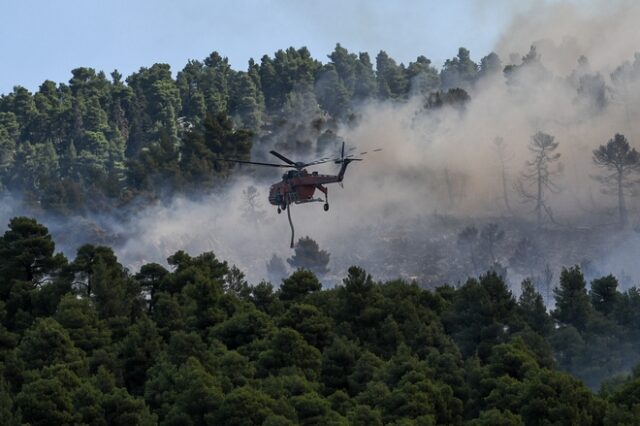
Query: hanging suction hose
point(290, 223)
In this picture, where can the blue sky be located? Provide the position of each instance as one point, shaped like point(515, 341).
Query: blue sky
point(42, 39)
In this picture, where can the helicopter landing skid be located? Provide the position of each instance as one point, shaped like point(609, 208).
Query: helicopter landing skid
point(319, 200)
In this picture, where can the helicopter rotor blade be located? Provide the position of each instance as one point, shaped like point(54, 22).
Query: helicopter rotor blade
point(322, 160)
point(318, 161)
point(255, 162)
point(283, 158)
point(334, 160)
point(373, 150)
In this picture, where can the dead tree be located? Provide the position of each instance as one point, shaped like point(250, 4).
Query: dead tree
point(253, 210)
point(536, 180)
point(502, 157)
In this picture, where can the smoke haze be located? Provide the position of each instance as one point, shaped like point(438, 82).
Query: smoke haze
point(402, 209)
point(605, 32)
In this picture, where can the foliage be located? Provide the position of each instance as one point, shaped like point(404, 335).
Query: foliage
point(309, 256)
point(184, 346)
point(622, 162)
point(98, 142)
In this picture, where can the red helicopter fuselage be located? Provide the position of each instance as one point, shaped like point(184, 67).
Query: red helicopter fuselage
point(299, 186)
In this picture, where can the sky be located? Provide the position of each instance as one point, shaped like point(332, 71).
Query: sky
point(42, 40)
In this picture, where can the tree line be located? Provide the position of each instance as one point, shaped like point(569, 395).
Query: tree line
point(619, 161)
point(99, 141)
point(86, 341)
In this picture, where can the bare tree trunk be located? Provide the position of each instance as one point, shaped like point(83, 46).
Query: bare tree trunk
point(504, 189)
point(622, 208)
point(501, 156)
point(539, 198)
point(505, 195)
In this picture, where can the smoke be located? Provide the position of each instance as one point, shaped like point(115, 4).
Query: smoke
point(401, 209)
point(605, 32)
point(439, 170)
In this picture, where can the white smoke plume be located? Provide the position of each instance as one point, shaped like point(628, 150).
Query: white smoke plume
point(444, 161)
point(402, 208)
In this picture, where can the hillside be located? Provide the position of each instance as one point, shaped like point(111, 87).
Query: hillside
point(89, 342)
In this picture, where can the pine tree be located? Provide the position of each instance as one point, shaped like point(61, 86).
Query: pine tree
point(276, 269)
point(623, 163)
point(573, 306)
point(309, 256)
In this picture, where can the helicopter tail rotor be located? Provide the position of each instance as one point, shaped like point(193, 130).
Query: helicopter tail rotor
point(351, 157)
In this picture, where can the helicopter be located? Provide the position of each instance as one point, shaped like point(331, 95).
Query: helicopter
point(298, 186)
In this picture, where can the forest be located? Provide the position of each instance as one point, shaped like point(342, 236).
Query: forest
point(483, 271)
point(509, 141)
point(100, 142)
point(86, 341)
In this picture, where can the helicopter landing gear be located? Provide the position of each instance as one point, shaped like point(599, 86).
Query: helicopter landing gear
point(325, 191)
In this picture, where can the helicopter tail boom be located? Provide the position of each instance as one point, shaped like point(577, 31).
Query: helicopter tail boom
point(345, 162)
